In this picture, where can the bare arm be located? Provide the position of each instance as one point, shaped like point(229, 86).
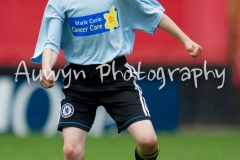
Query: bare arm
point(49, 59)
point(169, 26)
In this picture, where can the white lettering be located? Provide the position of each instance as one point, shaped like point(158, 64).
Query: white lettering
point(171, 73)
point(162, 78)
point(22, 73)
point(101, 70)
point(187, 73)
point(149, 75)
point(67, 75)
point(207, 72)
point(221, 75)
point(94, 28)
point(139, 72)
point(79, 29)
point(195, 75)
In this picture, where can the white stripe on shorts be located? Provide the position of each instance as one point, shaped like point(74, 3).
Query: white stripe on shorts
point(142, 100)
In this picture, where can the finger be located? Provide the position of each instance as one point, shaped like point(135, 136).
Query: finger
point(190, 49)
point(46, 83)
point(43, 85)
point(49, 76)
point(46, 86)
point(196, 52)
point(49, 79)
point(199, 50)
point(51, 84)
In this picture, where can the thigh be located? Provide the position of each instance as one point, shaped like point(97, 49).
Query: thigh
point(74, 138)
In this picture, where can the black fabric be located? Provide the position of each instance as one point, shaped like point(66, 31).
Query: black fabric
point(120, 96)
point(140, 156)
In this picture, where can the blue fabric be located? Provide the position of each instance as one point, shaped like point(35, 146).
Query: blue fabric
point(95, 31)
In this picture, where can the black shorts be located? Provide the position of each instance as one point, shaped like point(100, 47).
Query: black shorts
point(117, 91)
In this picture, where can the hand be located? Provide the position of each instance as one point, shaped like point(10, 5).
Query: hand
point(47, 79)
point(193, 48)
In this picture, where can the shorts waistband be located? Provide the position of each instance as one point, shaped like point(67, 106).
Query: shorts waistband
point(118, 61)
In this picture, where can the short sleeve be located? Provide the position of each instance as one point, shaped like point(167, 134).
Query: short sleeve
point(147, 15)
point(50, 30)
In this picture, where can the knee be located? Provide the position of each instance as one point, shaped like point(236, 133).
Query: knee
point(148, 141)
point(73, 152)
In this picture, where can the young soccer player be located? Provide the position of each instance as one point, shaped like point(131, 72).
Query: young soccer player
point(94, 34)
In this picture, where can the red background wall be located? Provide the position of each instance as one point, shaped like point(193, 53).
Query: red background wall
point(204, 21)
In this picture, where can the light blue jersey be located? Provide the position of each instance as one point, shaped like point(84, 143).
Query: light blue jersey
point(95, 31)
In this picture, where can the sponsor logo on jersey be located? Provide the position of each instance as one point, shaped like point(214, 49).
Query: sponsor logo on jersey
point(95, 23)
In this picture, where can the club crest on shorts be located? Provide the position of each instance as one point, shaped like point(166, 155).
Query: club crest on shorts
point(67, 110)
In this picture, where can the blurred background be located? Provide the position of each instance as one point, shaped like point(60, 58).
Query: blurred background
point(26, 109)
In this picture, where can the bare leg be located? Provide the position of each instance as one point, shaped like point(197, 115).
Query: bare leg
point(144, 135)
point(74, 143)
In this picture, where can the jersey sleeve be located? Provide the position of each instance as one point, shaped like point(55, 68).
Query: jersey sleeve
point(50, 30)
point(147, 15)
